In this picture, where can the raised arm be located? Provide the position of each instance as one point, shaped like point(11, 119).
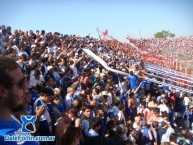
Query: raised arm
point(43, 54)
point(137, 88)
point(62, 52)
point(70, 53)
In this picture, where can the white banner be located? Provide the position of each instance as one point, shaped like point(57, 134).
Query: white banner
point(102, 62)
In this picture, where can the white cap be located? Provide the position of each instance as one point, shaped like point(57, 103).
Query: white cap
point(33, 45)
point(49, 67)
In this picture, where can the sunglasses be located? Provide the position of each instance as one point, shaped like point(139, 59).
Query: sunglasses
point(21, 84)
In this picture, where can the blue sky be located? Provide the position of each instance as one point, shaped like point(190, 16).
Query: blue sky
point(120, 17)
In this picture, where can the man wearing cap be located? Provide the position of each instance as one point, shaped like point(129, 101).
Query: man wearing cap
point(111, 116)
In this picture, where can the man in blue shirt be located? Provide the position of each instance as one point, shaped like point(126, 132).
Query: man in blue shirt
point(133, 81)
point(12, 83)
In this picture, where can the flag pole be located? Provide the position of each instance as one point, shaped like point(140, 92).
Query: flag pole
point(140, 34)
point(99, 34)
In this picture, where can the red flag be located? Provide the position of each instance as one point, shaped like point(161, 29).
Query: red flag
point(105, 32)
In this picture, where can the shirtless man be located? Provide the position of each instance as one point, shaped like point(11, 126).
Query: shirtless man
point(131, 106)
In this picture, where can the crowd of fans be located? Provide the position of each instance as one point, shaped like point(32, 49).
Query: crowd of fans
point(167, 51)
point(174, 46)
point(78, 101)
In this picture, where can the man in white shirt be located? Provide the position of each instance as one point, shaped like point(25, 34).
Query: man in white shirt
point(163, 107)
point(73, 67)
point(73, 64)
point(137, 123)
point(186, 102)
point(35, 79)
point(50, 47)
point(69, 99)
point(16, 47)
point(45, 128)
point(108, 93)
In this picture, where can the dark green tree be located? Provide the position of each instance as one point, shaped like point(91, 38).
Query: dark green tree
point(164, 34)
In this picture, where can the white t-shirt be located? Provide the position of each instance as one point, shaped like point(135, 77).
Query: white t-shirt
point(121, 117)
point(136, 126)
point(163, 108)
point(34, 81)
point(110, 98)
point(75, 71)
point(46, 116)
point(186, 101)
